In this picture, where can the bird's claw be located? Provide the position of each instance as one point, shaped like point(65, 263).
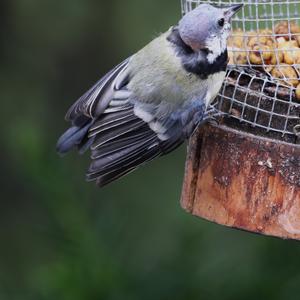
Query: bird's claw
point(213, 115)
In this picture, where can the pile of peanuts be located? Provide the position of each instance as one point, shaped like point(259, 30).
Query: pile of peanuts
point(278, 51)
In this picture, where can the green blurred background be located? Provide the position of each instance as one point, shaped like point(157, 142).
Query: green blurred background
point(62, 238)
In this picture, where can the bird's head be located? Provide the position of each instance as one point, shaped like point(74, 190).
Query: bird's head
point(207, 27)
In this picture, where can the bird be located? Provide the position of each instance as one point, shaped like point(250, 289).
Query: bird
point(153, 101)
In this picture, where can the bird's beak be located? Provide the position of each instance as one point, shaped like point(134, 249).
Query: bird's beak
point(230, 11)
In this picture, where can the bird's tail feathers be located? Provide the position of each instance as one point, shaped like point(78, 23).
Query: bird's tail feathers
point(120, 149)
point(74, 137)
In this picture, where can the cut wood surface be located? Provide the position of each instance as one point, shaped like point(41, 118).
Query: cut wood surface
point(240, 180)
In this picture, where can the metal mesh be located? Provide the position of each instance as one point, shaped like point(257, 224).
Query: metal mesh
point(265, 34)
point(261, 103)
point(262, 85)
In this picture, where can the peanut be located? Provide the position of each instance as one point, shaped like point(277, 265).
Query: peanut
point(286, 73)
point(297, 91)
point(291, 52)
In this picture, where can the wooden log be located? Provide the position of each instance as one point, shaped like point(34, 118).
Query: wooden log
point(243, 181)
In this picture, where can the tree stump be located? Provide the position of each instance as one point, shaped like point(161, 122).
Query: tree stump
point(244, 181)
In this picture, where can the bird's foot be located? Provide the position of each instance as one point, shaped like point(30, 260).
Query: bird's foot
point(213, 115)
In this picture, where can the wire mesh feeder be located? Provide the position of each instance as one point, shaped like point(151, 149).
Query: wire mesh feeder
point(252, 181)
point(260, 105)
point(262, 87)
point(265, 35)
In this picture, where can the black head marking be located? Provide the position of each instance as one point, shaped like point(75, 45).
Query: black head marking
point(196, 62)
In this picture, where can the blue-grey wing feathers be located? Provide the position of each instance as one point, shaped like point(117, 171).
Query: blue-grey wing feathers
point(83, 112)
point(123, 132)
point(95, 100)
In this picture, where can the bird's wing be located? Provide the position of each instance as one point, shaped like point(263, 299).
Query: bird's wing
point(122, 141)
point(83, 113)
point(121, 130)
point(96, 99)
point(130, 133)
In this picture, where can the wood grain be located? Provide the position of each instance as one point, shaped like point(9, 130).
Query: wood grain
point(243, 181)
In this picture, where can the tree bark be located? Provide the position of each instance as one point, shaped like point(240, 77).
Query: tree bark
point(240, 180)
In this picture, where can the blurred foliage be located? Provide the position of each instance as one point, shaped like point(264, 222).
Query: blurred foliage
point(62, 238)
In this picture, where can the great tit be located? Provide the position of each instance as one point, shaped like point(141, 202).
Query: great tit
point(152, 102)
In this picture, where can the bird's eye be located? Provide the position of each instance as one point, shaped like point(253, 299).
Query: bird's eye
point(221, 22)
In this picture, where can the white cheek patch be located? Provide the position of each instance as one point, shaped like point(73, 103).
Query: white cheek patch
point(217, 45)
